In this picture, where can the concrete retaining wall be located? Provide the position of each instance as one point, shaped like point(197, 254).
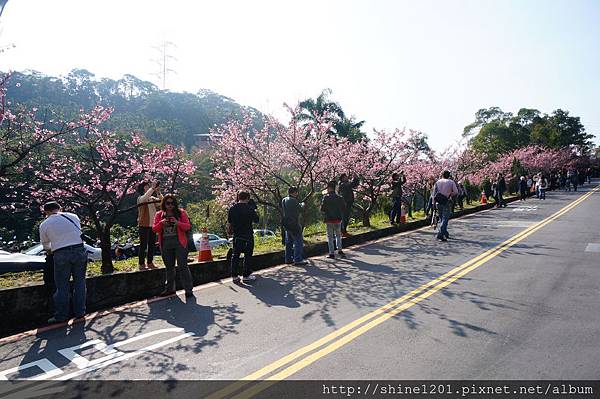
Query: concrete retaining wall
point(29, 307)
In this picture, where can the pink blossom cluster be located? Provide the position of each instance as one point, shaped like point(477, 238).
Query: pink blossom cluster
point(268, 161)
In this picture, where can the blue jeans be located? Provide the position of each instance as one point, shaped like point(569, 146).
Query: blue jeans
point(334, 237)
point(293, 246)
point(396, 210)
point(444, 214)
point(67, 263)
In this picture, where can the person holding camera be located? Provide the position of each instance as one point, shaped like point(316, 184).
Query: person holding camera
point(239, 224)
point(398, 179)
point(294, 242)
point(346, 191)
point(60, 235)
point(172, 225)
point(147, 202)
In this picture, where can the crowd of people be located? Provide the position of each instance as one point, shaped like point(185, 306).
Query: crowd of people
point(162, 220)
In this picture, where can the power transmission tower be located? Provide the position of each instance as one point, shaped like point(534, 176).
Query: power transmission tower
point(163, 61)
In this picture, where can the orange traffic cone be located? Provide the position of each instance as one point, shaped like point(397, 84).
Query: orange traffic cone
point(205, 254)
point(483, 198)
point(402, 214)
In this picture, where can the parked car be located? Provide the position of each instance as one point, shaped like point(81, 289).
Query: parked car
point(4, 253)
point(213, 240)
point(94, 254)
point(260, 233)
point(18, 262)
point(264, 233)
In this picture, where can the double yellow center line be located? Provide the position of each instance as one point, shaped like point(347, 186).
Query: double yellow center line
point(350, 331)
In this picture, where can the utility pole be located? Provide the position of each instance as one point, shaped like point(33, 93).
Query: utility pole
point(163, 61)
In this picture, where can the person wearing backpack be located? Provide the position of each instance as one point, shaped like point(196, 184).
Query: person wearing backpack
point(333, 207)
point(346, 191)
point(60, 235)
point(239, 224)
point(443, 190)
point(294, 241)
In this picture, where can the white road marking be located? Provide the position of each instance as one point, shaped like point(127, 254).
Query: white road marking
point(592, 247)
point(526, 208)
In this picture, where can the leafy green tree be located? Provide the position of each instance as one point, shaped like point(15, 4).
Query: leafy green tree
point(329, 111)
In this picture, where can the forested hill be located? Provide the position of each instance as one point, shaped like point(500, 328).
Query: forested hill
point(163, 116)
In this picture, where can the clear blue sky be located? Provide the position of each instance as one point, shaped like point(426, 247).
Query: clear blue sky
point(427, 65)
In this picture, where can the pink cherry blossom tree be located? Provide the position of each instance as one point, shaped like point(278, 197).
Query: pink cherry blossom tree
point(374, 161)
point(22, 132)
point(94, 173)
point(268, 161)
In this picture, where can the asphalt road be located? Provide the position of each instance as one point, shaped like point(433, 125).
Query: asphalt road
point(488, 304)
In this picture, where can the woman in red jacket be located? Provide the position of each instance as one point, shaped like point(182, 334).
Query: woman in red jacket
point(172, 224)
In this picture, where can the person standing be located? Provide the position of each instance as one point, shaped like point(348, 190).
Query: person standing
point(543, 182)
point(172, 225)
point(294, 241)
point(333, 207)
point(443, 190)
point(462, 193)
point(147, 207)
point(346, 191)
point(239, 224)
point(398, 179)
point(523, 188)
point(501, 188)
point(60, 235)
point(574, 180)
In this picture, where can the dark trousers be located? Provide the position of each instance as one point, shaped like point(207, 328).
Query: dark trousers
point(178, 255)
point(347, 214)
point(396, 210)
point(67, 263)
point(523, 194)
point(147, 244)
point(500, 199)
point(460, 201)
point(242, 246)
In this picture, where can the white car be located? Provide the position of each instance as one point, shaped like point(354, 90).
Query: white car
point(264, 233)
point(94, 254)
point(4, 253)
point(213, 240)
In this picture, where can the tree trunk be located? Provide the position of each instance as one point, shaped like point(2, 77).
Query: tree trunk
point(105, 245)
point(366, 218)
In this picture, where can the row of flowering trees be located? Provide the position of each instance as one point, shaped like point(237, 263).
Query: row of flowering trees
point(94, 171)
point(267, 162)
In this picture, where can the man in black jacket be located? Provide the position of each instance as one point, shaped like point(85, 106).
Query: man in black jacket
point(501, 187)
point(333, 207)
point(346, 191)
point(240, 218)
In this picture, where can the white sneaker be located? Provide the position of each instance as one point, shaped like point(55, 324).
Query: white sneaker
point(249, 279)
point(236, 279)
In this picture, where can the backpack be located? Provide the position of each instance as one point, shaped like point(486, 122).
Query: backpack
point(288, 223)
point(440, 198)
